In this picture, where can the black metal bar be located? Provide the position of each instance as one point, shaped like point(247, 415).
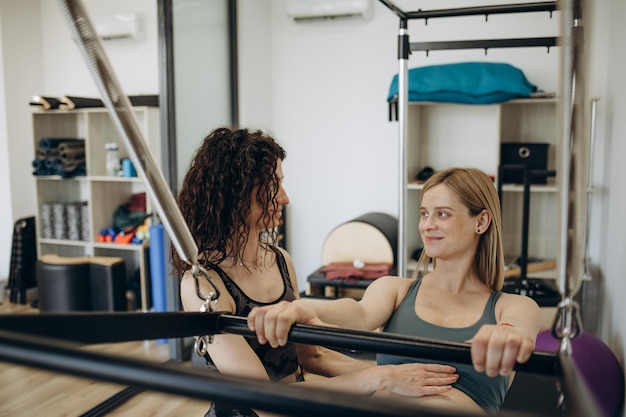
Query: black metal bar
point(541, 363)
point(169, 164)
point(286, 399)
point(472, 11)
point(501, 170)
point(233, 62)
point(119, 327)
point(112, 327)
point(111, 403)
point(484, 44)
point(523, 262)
point(579, 401)
point(167, 92)
point(528, 175)
point(394, 8)
point(484, 10)
point(404, 47)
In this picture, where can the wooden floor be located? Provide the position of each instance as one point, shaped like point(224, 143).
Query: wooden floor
point(26, 392)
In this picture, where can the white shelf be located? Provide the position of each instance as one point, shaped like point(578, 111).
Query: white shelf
point(120, 246)
point(549, 274)
point(64, 242)
point(116, 179)
point(102, 193)
point(60, 178)
point(534, 188)
point(507, 188)
point(444, 135)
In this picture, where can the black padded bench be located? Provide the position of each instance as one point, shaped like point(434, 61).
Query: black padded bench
point(317, 284)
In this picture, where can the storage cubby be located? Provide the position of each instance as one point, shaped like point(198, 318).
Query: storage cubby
point(442, 135)
point(99, 194)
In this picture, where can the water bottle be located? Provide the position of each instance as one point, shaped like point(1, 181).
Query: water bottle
point(113, 159)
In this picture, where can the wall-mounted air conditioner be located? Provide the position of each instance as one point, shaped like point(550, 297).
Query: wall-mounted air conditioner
point(302, 10)
point(119, 26)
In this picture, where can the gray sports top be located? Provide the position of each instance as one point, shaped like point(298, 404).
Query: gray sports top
point(488, 392)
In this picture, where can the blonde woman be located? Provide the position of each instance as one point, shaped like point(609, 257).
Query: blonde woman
point(455, 295)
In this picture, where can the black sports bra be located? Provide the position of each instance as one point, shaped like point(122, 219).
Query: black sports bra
point(279, 362)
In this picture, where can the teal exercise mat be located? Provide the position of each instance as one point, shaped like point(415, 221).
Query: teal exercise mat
point(465, 82)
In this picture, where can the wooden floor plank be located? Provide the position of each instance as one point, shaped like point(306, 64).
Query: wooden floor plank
point(26, 391)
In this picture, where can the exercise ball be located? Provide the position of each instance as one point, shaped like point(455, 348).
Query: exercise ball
point(598, 366)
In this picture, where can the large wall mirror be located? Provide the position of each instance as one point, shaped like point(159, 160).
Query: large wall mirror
point(198, 75)
point(198, 90)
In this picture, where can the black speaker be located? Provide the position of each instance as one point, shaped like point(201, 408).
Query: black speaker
point(516, 157)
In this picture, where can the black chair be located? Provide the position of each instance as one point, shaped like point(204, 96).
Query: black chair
point(22, 275)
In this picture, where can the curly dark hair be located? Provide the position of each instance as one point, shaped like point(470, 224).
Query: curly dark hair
point(215, 196)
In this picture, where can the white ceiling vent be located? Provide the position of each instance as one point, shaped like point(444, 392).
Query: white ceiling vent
point(304, 10)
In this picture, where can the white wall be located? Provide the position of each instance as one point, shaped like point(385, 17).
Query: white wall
point(135, 62)
point(6, 214)
point(22, 70)
point(255, 57)
point(330, 81)
point(608, 58)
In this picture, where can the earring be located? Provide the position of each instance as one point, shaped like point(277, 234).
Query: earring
point(477, 230)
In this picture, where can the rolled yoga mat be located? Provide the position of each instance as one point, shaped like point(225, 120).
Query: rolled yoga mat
point(157, 270)
point(73, 154)
point(74, 144)
point(46, 144)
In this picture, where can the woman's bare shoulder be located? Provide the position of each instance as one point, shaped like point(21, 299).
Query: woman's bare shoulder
point(387, 285)
point(517, 300)
point(393, 282)
point(194, 290)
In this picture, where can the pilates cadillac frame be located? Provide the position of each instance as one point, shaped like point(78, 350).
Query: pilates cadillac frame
point(49, 341)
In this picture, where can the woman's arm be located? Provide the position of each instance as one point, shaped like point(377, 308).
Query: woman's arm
point(496, 348)
point(328, 362)
point(373, 310)
point(272, 323)
point(317, 359)
point(407, 380)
